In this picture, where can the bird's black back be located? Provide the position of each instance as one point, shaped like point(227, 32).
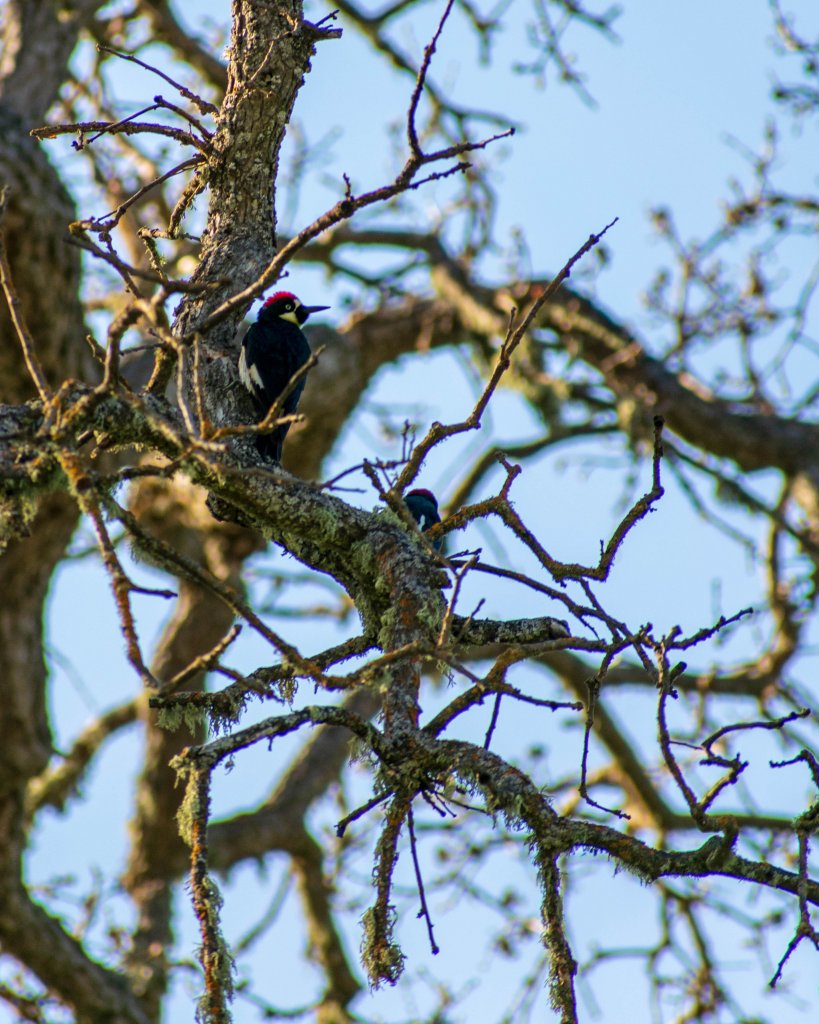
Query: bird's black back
point(276, 349)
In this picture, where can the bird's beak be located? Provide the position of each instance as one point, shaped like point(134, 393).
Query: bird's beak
point(309, 310)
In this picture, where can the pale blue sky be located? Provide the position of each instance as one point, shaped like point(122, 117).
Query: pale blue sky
point(682, 79)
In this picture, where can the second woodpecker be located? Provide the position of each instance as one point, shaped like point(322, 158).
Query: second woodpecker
point(424, 508)
point(273, 350)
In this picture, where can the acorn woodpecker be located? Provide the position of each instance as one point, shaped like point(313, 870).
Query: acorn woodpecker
point(273, 349)
point(424, 508)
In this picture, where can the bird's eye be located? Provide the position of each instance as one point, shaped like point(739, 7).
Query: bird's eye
point(289, 306)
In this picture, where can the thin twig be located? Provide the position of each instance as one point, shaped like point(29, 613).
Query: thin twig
point(359, 812)
point(424, 911)
point(516, 332)
point(202, 105)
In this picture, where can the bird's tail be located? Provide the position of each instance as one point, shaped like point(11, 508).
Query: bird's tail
point(270, 445)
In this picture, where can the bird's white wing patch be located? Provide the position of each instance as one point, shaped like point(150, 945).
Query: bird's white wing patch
point(256, 377)
point(244, 376)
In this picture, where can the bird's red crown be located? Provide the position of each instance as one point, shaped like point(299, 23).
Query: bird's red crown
point(422, 492)
point(278, 296)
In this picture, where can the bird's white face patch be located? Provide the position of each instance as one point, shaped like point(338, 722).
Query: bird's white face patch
point(291, 316)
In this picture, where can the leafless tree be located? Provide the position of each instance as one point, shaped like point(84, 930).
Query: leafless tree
point(128, 378)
